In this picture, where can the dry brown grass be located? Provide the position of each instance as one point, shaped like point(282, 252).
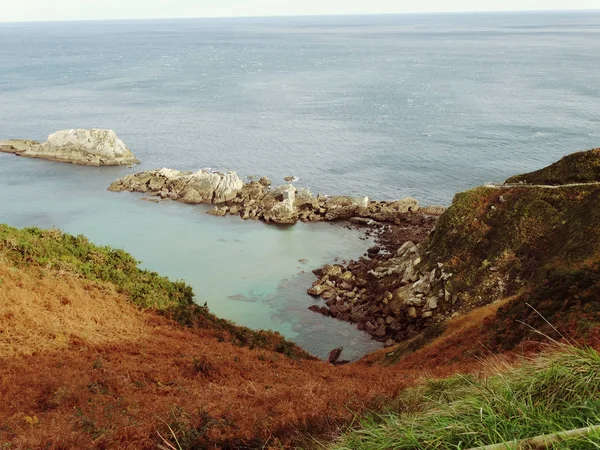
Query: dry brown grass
point(43, 312)
point(82, 368)
point(464, 346)
point(459, 349)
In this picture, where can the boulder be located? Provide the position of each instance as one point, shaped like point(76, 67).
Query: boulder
point(279, 206)
point(431, 303)
point(331, 271)
point(84, 147)
point(200, 188)
point(317, 290)
point(228, 187)
point(344, 208)
point(335, 354)
point(327, 294)
point(370, 328)
point(405, 205)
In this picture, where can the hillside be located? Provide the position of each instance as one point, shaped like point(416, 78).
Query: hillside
point(536, 244)
point(91, 357)
point(97, 353)
point(517, 267)
point(523, 260)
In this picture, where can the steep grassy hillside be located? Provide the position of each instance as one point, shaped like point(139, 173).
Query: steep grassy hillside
point(84, 363)
point(52, 251)
point(521, 268)
point(540, 245)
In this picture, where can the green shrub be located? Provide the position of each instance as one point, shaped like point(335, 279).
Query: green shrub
point(58, 251)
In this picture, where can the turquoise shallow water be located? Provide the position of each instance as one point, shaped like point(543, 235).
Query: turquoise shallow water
point(247, 272)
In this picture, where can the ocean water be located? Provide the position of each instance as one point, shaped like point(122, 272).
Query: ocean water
point(384, 106)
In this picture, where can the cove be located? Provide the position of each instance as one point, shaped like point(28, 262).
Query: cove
point(251, 273)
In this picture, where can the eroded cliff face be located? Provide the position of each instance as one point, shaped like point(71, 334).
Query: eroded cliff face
point(83, 147)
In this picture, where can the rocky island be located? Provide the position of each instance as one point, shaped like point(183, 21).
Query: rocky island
point(258, 200)
point(83, 147)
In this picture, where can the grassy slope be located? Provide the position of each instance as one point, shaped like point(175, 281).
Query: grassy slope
point(549, 394)
point(82, 365)
point(55, 251)
point(580, 167)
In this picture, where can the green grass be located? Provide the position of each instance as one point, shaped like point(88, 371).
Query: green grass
point(62, 252)
point(555, 392)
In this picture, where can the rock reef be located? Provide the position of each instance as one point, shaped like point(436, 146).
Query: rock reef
point(387, 293)
point(83, 147)
point(258, 200)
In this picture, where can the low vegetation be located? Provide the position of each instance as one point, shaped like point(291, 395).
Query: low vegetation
point(87, 360)
point(58, 251)
point(580, 167)
point(540, 245)
point(550, 394)
point(53, 251)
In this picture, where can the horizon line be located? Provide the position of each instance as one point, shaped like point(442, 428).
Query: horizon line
point(282, 16)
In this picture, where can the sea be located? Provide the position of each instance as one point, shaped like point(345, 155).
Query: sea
point(385, 106)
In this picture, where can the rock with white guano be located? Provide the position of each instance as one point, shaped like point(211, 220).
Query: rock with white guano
point(84, 147)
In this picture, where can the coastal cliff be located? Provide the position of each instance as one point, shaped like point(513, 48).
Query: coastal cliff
point(82, 147)
point(493, 242)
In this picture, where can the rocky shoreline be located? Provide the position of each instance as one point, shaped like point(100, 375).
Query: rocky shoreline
point(383, 292)
point(386, 292)
point(258, 200)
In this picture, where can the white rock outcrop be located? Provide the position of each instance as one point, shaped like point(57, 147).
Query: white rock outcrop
point(84, 147)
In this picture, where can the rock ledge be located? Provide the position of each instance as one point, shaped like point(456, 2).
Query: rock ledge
point(258, 200)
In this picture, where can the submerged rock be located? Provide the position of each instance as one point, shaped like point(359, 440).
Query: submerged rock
point(84, 147)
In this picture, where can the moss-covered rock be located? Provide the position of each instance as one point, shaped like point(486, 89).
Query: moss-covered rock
point(496, 241)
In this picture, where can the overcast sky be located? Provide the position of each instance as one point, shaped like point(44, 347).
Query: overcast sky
point(36, 10)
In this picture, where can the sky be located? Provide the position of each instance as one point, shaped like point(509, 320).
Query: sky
point(52, 10)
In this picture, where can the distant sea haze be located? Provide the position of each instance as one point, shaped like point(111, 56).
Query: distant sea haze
point(379, 106)
point(384, 106)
